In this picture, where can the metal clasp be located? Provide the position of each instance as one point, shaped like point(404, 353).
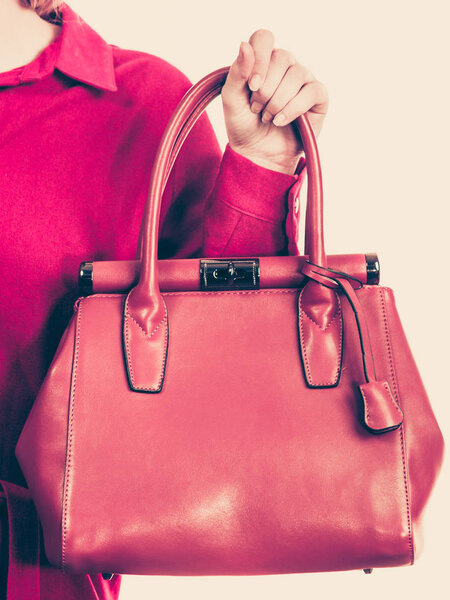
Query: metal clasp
point(229, 274)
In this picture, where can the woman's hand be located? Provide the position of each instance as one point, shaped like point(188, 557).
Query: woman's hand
point(265, 90)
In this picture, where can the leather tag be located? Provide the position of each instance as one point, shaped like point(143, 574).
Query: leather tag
point(381, 412)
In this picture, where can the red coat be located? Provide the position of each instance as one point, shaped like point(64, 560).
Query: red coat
point(80, 126)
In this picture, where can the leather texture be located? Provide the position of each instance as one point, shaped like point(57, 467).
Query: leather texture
point(381, 412)
point(277, 430)
point(182, 274)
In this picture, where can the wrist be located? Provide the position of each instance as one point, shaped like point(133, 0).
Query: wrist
point(287, 166)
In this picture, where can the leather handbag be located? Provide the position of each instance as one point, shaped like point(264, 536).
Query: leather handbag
point(232, 415)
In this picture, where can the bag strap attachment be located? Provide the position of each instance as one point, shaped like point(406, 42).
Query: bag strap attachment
point(381, 411)
point(145, 322)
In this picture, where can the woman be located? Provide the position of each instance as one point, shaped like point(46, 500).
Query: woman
point(80, 124)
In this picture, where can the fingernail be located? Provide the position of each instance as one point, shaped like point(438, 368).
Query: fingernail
point(266, 116)
point(255, 82)
point(256, 107)
point(279, 119)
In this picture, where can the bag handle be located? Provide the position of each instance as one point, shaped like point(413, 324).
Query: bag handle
point(145, 311)
point(145, 323)
point(193, 105)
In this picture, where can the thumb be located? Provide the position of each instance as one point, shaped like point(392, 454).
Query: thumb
point(235, 92)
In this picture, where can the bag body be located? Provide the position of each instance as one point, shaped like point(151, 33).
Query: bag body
point(247, 426)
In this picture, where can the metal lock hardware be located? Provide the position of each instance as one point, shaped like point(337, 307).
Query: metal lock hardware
point(229, 274)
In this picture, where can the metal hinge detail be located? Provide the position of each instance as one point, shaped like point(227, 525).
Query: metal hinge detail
point(229, 274)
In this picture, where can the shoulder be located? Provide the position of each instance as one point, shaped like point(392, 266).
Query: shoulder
point(142, 78)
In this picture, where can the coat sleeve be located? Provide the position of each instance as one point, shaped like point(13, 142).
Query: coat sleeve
point(226, 205)
point(252, 210)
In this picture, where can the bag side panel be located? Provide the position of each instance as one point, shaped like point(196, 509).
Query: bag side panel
point(423, 437)
point(236, 466)
point(41, 448)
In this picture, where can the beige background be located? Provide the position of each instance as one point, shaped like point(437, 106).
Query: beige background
point(384, 149)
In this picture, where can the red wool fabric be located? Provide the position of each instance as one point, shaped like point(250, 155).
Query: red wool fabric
point(80, 126)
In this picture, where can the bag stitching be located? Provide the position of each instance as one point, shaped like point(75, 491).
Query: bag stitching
point(368, 286)
point(200, 293)
point(305, 357)
point(396, 406)
point(315, 322)
point(366, 406)
point(304, 354)
point(128, 350)
point(67, 479)
point(127, 346)
point(148, 335)
point(402, 439)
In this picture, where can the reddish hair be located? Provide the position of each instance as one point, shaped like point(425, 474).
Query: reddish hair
point(44, 8)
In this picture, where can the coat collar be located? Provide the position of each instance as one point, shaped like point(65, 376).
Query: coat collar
point(83, 54)
point(78, 51)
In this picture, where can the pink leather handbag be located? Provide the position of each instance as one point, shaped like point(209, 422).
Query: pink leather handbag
point(240, 415)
